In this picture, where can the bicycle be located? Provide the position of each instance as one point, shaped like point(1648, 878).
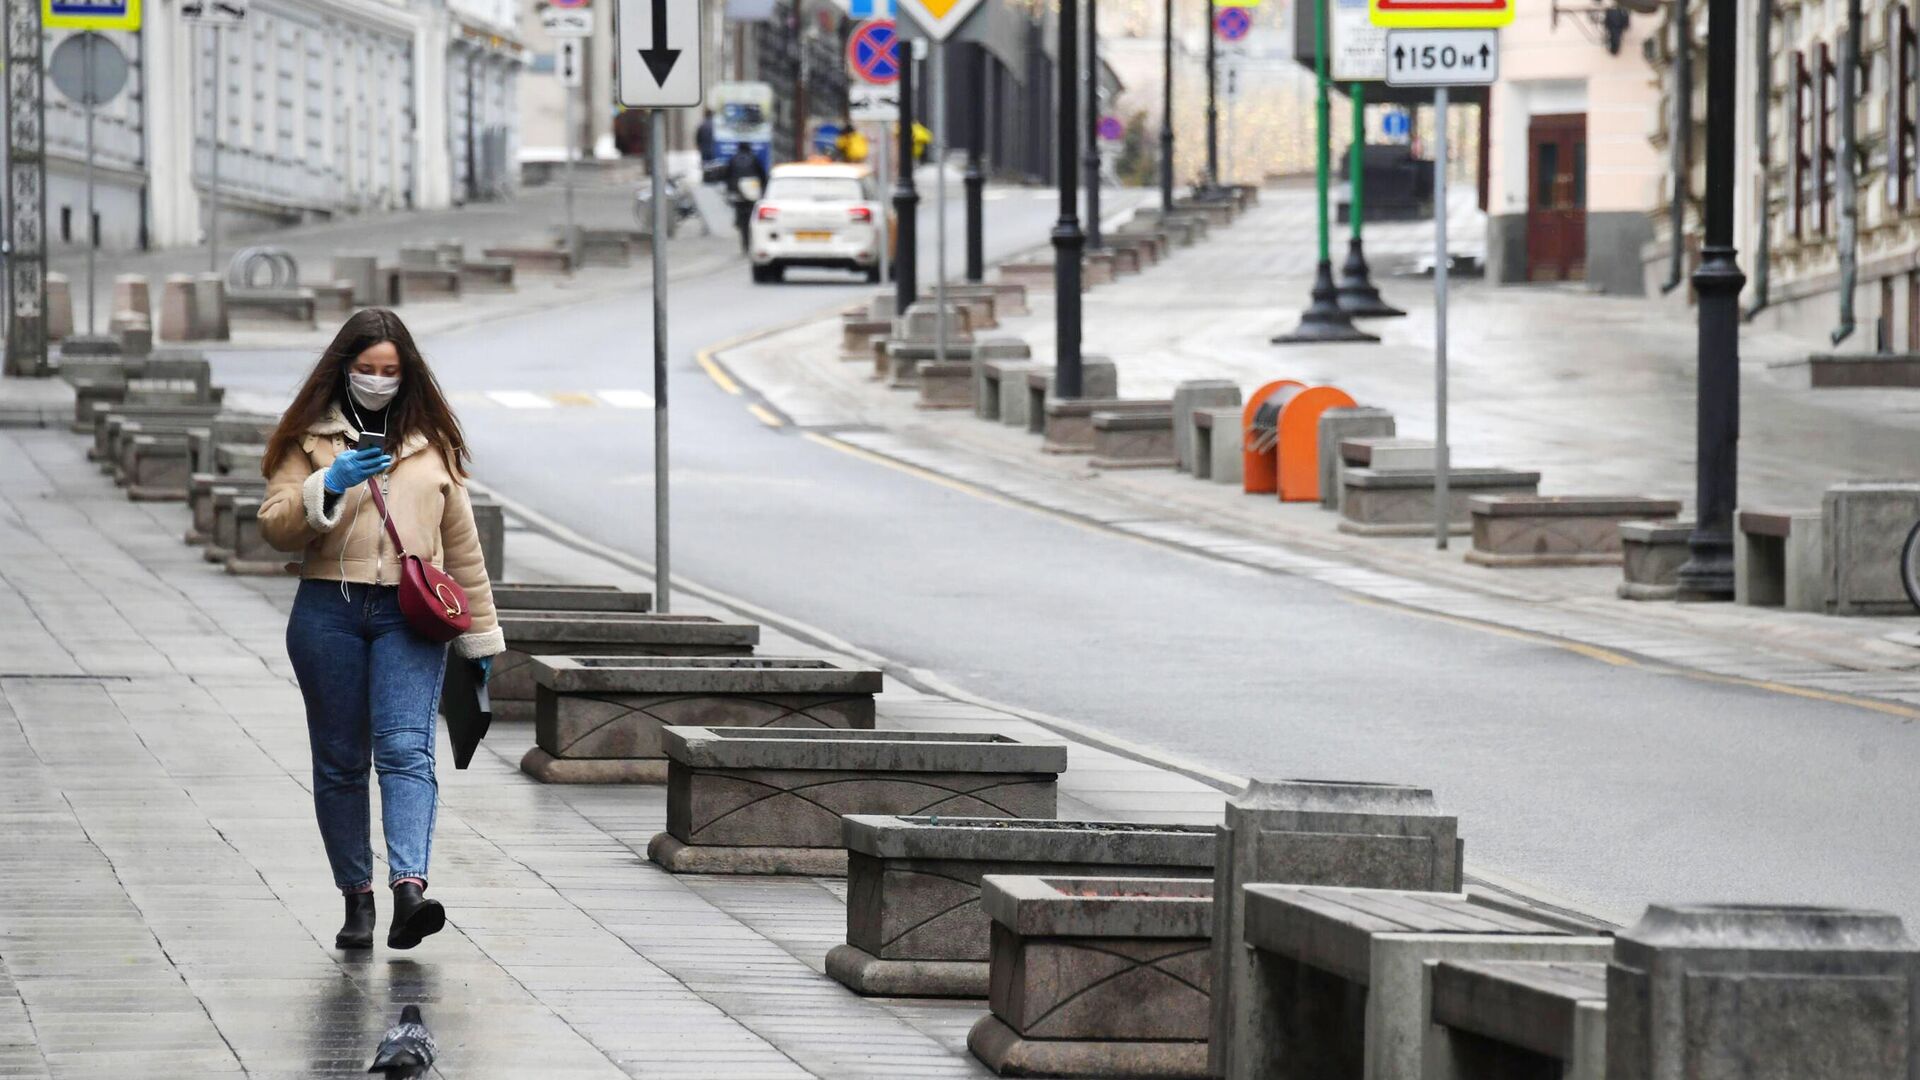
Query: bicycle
point(681, 206)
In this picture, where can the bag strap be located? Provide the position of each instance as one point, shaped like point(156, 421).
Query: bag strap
point(380, 504)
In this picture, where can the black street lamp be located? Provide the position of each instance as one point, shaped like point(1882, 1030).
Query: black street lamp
point(1092, 159)
point(1708, 573)
point(1357, 295)
point(1067, 241)
point(1166, 110)
point(906, 200)
point(976, 178)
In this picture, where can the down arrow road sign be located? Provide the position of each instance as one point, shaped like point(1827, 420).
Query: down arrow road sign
point(1443, 57)
point(658, 42)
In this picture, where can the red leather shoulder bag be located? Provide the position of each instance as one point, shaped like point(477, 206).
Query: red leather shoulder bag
point(432, 602)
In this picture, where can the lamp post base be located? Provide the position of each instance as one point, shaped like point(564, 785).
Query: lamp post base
point(1324, 321)
point(1357, 295)
point(1707, 575)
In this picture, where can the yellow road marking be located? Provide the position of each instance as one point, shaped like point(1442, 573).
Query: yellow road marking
point(1591, 652)
point(765, 415)
point(573, 398)
point(715, 372)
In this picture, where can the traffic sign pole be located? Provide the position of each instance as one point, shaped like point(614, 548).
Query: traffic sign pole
point(662, 546)
point(1213, 107)
point(1442, 465)
point(566, 170)
point(213, 155)
point(940, 201)
point(1092, 157)
point(93, 230)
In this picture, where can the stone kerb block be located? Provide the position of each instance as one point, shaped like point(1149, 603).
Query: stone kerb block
point(1188, 397)
point(230, 504)
point(1069, 427)
point(59, 307)
point(1003, 390)
point(1336, 427)
point(1317, 832)
point(1651, 554)
point(1217, 440)
point(210, 319)
point(361, 271)
point(1779, 559)
point(990, 359)
point(769, 801)
point(1339, 980)
point(600, 719)
point(201, 488)
point(490, 522)
point(176, 309)
point(915, 927)
point(158, 468)
point(1374, 502)
point(1133, 440)
point(251, 554)
point(1099, 380)
point(1557, 530)
point(1755, 991)
point(521, 595)
point(600, 633)
point(946, 385)
point(1097, 976)
point(1516, 1020)
point(1867, 522)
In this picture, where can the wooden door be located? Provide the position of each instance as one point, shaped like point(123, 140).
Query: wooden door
point(1557, 197)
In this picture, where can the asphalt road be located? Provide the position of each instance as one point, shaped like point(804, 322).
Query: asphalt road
point(1611, 785)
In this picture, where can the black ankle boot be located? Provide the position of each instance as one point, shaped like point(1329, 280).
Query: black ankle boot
point(414, 916)
point(357, 931)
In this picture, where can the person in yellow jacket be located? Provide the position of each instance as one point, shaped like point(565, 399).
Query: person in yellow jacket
point(851, 145)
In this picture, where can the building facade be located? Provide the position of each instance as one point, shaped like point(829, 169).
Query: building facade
point(1572, 177)
point(324, 107)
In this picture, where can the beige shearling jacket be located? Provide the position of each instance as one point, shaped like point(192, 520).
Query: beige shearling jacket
point(430, 508)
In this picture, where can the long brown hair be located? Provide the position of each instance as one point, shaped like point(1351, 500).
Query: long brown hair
point(419, 409)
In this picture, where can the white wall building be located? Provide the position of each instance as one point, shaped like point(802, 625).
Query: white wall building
point(325, 107)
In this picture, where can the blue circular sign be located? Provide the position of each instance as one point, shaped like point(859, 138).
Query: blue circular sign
point(872, 52)
point(1395, 125)
point(1232, 23)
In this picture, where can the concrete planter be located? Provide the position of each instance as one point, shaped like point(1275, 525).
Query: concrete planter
point(769, 801)
point(531, 597)
point(601, 633)
point(915, 927)
point(1557, 530)
point(1097, 977)
point(601, 719)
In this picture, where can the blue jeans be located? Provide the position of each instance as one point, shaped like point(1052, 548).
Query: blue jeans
point(372, 688)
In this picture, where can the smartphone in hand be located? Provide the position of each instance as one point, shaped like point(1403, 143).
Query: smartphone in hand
point(372, 439)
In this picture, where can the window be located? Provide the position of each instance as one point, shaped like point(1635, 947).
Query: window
point(1906, 58)
point(1802, 160)
point(1826, 165)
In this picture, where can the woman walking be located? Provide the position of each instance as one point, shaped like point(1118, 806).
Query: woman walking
point(371, 413)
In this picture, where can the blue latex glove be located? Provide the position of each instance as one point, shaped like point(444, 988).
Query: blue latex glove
point(485, 664)
point(354, 468)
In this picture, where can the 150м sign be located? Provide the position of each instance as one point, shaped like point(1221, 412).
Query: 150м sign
point(1442, 57)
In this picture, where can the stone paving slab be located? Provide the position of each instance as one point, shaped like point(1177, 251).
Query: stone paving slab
point(165, 908)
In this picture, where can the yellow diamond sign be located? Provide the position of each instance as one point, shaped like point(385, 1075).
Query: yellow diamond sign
point(938, 19)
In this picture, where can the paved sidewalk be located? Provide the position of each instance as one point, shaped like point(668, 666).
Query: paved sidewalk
point(1593, 391)
point(165, 908)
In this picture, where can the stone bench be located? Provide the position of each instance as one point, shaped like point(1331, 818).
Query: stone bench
point(1133, 440)
point(1778, 559)
point(1217, 439)
point(1340, 977)
point(431, 282)
point(332, 300)
point(1124, 257)
point(1099, 379)
point(201, 526)
point(769, 801)
point(606, 247)
point(1337, 427)
point(1518, 1021)
point(1865, 525)
point(905, 358)
point(251, 554)
point(976, 301)
point(1098, 267)
point(1216, 213)
point(1097, 976)
point(1387, 453)
point(235, 431)
point(600, 633)
point(1069, 421)
point(915, 927)
point(490, 527)
point(1400, 502)
point(534, 260)
point(945, 385)
point(120, 428)
point(858, 331)
point(156, 467)
point(1009, 297)
point(1651, 554)
point(1036, 275)
point(486, 275)
point(1831, 370)
point(525, 596)
point(1189, 397)
point(600, 719)
point(295, 307)
point(1147, 247)
point(1003, 392)
point(109, 380)
point(243, 459)
point(1557, 530)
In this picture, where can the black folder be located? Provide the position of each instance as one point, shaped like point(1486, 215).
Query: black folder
point(468, 709)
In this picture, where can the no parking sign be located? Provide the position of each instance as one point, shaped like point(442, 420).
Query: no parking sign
point(872, 53)
point(1232, 23)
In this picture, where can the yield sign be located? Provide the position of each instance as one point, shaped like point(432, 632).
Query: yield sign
point(871, 52)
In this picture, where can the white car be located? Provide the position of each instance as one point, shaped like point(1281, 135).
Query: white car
point(817, 215)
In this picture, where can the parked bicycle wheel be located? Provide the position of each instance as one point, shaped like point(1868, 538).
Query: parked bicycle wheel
point(1910, 565)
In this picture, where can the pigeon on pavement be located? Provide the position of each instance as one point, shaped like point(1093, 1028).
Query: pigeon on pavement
point(408, 1049)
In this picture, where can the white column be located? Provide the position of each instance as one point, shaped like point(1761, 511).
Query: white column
point(172, 104)
point(433, 165)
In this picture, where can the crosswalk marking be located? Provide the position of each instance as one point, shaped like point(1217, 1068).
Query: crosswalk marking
point(520, 399)
point(627, 399)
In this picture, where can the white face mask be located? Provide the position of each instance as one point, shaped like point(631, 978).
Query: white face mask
point(372, 391)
